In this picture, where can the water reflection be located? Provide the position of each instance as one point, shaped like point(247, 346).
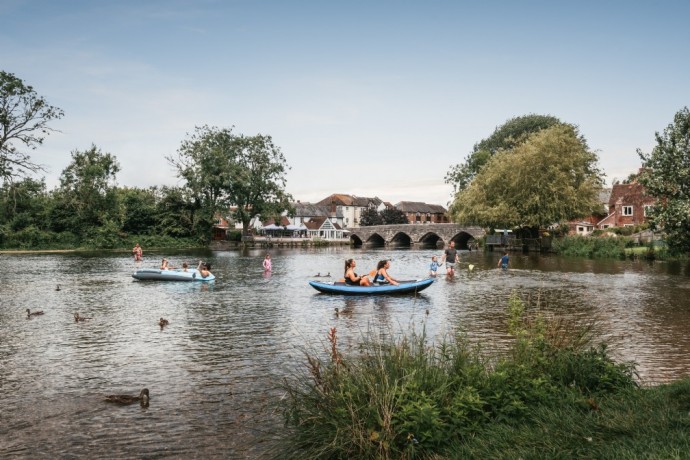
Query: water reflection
point(214, 370)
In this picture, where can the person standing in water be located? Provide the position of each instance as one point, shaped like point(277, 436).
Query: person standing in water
point(450, 257)
point(268, 266)
point(137, 252)
point(503, 262)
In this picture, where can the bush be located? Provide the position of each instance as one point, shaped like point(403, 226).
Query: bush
point(402, 397)
point(588, 246)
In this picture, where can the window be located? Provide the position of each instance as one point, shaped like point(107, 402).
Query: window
point(627, 210)
point(580, 229)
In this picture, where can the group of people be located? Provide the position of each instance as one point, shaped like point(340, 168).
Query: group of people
point(203, 268)
point(450, 257)
point(380, 274)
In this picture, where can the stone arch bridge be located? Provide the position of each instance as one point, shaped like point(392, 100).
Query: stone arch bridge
point(420, 235)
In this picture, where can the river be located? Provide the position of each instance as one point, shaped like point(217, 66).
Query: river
point(214, 371)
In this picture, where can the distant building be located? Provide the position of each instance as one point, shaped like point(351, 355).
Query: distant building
point(350, 206)
point(628, 206)
point(423, 213)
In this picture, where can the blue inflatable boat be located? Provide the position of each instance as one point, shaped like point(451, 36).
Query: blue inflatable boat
point(405, 287)
point(154, 274)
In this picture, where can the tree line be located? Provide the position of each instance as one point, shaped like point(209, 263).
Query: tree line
point(219, 169)
point(532, 172)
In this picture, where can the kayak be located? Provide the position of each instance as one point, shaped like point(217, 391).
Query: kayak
point(170, 275)
point(405, 287)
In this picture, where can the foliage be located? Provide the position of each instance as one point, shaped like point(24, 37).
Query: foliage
point(392, 216)
point(403, 397)
point(86, 197)
point(369, 217)
point(550, 177)
point(24, 203)
point(24, 118)
point(387, 216)
point(666, 176)
point(505, 137)
point(591, 246)
point(221, 169)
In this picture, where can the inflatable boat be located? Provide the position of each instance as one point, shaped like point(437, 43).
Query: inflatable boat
point(155, 274)
point(405, 287)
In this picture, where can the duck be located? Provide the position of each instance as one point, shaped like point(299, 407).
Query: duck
point(142, 399)
point(78, 318)
point(163, 322)
point(29, 314)
point(337, 311)
point(57, 288)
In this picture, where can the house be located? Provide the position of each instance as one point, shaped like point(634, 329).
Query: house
point(305, 212)
point(423, 213)
point(581, 227)
point(323, 227)
point(350, 206)
point(628, 206)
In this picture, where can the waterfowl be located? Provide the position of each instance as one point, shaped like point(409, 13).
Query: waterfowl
point(337, 311)
point(57, 288)
point(163, 322)
point(29, 314)
point(142, 399)
point(78, 318)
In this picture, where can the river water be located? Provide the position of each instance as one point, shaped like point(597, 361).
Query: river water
point(214, 371)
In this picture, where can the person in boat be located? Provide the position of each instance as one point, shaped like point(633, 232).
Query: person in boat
point(382, 276)
point(137, 252)
point(268, 266)
point(185, 266)
point(165, 265)
point(351, 278)
point(204, 269)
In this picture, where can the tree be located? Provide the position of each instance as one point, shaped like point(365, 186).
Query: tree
point(87, 197)
point(222, 169)
point(24, 203)
point(391, 216)
point(508, 135)
point(666, 176)
point(24, 118)
point(549, 178)
point(369, 217)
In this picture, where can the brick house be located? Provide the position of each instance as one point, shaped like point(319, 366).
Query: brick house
point(628, 206)
point(423, 213)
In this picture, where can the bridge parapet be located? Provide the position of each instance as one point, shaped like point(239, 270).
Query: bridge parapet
point(416, 234)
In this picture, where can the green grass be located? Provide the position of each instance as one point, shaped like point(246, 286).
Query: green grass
point(554, 394)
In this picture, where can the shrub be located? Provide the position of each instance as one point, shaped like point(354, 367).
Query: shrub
point(402, 397)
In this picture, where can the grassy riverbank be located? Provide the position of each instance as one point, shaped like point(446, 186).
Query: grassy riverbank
point(554, 394)
point(114, 243)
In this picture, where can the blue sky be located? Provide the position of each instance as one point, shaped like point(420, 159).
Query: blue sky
point(373, 98)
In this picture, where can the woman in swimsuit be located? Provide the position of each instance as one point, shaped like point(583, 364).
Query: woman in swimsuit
point(351, 277)
point(382, 276)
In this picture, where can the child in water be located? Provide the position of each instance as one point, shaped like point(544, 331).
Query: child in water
point(267, 263)
point(433, 268)
point(503, 262)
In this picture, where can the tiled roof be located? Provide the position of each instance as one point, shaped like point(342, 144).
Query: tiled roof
point(417, 206)
point(313, 210)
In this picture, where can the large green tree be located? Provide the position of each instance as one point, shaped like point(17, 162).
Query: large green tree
point(666, 176)
point(508, 135)
point(223, 169)
point(550, 177)
point(87, 195)
point(24, 119)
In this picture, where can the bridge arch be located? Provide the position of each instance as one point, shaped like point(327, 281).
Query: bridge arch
point(430, 241)
point(376, 240)
point(461, 239)
point(401, 239)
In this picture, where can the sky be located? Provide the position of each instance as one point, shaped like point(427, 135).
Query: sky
point(371, 98)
